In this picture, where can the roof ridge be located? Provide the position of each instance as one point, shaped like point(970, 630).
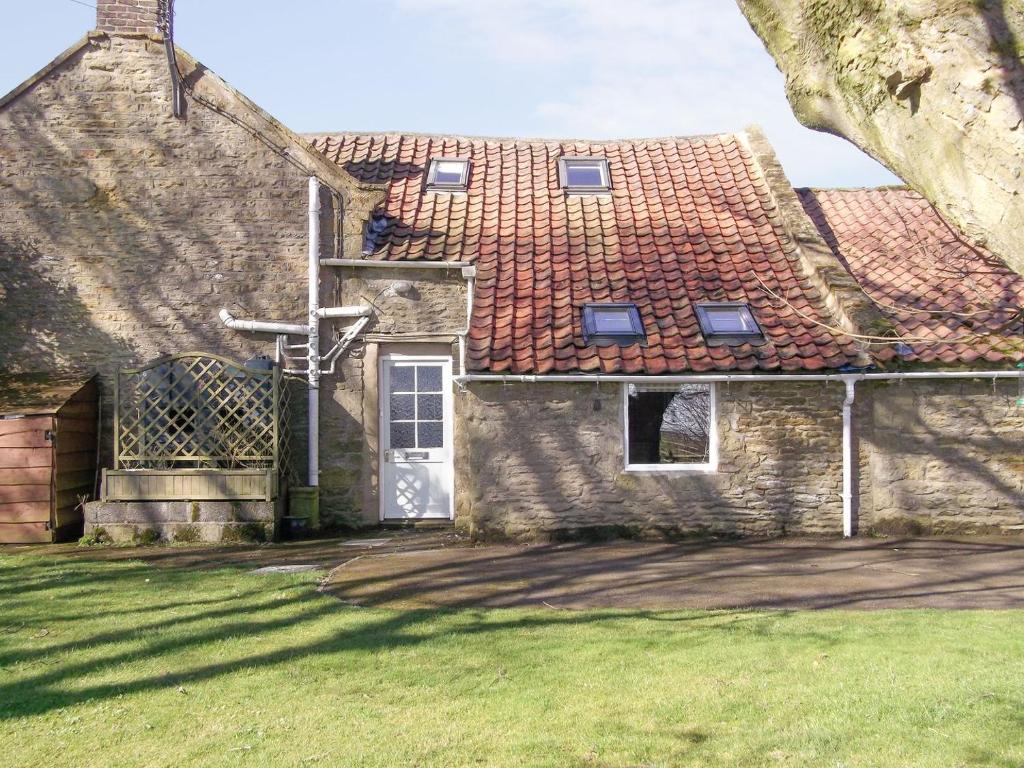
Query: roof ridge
point(879, 188)
point(312, 135)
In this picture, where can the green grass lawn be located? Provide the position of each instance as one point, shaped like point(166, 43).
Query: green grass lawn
point(130, 665)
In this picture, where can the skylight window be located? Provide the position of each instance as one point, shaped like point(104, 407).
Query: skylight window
point(449, 174)
point(584, 174)
point(607, 324)
point(728, 323)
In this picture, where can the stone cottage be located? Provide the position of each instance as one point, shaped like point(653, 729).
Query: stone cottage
point(527, 338)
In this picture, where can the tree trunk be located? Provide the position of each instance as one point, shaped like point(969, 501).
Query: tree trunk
point(934, 89)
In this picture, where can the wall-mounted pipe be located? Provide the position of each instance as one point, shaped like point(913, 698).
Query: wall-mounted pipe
point(395, 264)
point(848, 498)
point(260, 326)
point(470, 274)
point(343, 312)
point(690, 378)
point(313, 356)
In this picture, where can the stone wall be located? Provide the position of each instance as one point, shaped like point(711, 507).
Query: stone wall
point(941, 457)
point(424, 321)
point(533, 459)
point(123, 230)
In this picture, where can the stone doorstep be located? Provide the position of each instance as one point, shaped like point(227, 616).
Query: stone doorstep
point(208, 533)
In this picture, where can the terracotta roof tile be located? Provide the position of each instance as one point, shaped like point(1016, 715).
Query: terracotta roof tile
point(954, 302)
point(687, 220)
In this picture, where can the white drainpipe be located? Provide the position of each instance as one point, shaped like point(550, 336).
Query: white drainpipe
point(470, 274)
point(848, 501)
point(313, 363)
point(260, 326)
point(849, 379)
point(314, 314)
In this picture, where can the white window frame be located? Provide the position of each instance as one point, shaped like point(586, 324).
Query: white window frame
point(703, 468)
point(583, 189)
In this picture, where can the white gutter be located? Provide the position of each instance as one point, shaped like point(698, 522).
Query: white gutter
point(395, 264)
point(313, 357)
point(685, 378)
point(260, 326)
point(849, 380)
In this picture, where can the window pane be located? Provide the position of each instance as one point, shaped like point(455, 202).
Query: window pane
point(431, 434)
point(430, 408)
point(448, 171)
point(584, 174)
point(428, 378)
point(686, 427)
point(670, 427)
point(612, 320)
point(730, 320)
point(403, 434)
point(402, 378)
point(402, 408)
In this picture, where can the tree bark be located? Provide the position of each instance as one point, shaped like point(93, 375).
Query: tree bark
point(933, 89)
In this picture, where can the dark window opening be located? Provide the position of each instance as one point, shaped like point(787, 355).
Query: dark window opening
point(449, 174)
point(607, 324)
point(669, 427)
point(728, 323)
point(584, 174)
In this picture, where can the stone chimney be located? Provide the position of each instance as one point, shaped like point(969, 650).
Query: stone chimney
point(129, 17)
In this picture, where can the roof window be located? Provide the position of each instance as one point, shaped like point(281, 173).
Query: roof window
point(607, 324)
point(584, 174)
point(448, 174)
point(728, 322)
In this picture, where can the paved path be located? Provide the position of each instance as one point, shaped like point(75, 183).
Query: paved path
point(788, 573)
point(439, 568)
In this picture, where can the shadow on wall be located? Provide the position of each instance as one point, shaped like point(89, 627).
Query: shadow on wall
point(940, 462)
point(126, 230)
point(547, 460)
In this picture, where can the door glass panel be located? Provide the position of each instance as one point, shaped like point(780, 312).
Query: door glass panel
point(430, 407)
point(416, 406)
point(428, 378)
point(402, 408)
point(403, 434)
point(402, 378)
point(431, 434)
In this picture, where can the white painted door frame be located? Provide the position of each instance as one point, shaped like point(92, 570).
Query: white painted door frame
point(429, 470)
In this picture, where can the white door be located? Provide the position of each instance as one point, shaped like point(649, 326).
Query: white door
point(416, 470)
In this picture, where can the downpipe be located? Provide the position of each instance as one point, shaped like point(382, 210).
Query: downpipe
point(848, 497)
point(313, 357)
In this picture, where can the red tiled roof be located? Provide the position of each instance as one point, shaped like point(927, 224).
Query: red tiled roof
point(687, 220)
point(952, 302)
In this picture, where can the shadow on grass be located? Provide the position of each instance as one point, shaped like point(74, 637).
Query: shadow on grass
point(276, 626)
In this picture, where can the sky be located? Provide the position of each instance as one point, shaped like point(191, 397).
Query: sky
point(591, 69)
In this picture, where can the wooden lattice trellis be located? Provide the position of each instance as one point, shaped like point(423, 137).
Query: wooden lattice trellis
point(198, 411)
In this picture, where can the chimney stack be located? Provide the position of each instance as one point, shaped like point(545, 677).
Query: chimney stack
point(129, 17)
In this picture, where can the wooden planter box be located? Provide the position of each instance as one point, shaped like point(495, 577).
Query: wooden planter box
point(189, 484)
